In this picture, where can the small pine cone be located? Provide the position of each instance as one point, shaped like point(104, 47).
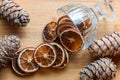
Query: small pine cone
point(106, 46)
point(102, 69)
point(13, 13)
point(8, 46)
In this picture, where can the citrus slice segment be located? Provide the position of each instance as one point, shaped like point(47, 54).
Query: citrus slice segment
point(49, 33)
point(26, 60)
point(63, 27)
point(60, 55)
point(71, 39)
point(64, 19)
point(66, 62)
point(83, 26)
point(87, 23)
point(15, 66)
point(45, 55)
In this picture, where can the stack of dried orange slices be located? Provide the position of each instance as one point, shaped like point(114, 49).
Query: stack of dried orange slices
point(46, 55)
point(60, 38)
point(51, 55)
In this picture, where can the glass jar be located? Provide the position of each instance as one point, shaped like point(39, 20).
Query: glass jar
point(86, 19)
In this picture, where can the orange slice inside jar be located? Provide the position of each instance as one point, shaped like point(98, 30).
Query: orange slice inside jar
point(63, 27)
point(72, 40)
point(64, 19)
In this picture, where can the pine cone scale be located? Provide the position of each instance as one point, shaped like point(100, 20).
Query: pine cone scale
point(112, 47)
point(91, 68)
point(117, 38)
point(88, 75)
point(114, 42)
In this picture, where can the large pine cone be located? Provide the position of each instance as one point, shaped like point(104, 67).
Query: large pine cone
point(13, 13)
point(106, 46)
point(102, 69)
point(8, 46)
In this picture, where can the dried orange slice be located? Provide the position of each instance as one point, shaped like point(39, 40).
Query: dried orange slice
point(71, 39)
point(49, 33)
point(45, 55)
point(87, 23)
point(64, 19)
point(84, 25)
point(63, 27)
point(26, 60)
point(60, 55)
point(66, 62)
point(15, 66)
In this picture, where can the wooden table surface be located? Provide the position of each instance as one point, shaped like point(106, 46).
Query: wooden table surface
point(41, 12)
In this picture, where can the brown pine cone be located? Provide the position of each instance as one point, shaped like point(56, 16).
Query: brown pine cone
point(13, 13)
point(8, 46)
point(106, 46)
point(102, 69)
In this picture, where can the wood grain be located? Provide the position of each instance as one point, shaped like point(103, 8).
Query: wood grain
point(41, 12)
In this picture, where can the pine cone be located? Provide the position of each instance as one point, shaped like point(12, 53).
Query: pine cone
point(106, 46)
point(13, 13)
point(8, 46)
point(102, 69)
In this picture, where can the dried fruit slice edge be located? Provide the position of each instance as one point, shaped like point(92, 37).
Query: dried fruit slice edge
point(63, 27)
point(64, 19)
point(15, 66)
point(19, 62)
point(59, 55)
point(66, 62)
point(54, 53)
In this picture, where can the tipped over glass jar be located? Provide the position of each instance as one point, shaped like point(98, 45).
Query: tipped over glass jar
point(85, 19)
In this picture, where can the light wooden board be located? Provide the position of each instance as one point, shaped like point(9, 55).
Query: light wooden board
point(41, 12)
